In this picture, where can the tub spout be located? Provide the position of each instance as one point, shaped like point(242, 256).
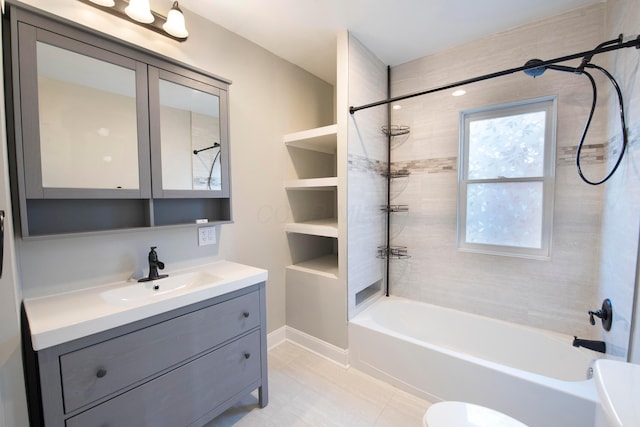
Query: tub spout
point(599, 346)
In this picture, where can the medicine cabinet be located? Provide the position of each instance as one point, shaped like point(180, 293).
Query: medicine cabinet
point(104, 135)
point(187, 127)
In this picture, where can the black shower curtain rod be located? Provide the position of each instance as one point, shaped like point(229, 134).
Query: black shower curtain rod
point(631, 43)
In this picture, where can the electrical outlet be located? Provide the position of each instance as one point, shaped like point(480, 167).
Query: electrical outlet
point(206, 236)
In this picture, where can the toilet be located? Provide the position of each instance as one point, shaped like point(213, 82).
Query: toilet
point(460, 414)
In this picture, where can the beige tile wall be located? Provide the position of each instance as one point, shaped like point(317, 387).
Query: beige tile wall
point(552, 294)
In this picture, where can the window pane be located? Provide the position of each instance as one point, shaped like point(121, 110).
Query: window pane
point(506, 213)
point(510, 146)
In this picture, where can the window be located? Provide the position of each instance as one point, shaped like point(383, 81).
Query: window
point(506, 178)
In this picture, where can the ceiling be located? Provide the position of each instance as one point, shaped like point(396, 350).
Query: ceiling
point(396, 31)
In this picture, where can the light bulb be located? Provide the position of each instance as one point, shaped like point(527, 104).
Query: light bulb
point(175, 22)
point(140, 11)
point(105, 3)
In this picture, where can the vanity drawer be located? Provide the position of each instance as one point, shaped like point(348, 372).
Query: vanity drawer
point(96, 371)
point(182, 396)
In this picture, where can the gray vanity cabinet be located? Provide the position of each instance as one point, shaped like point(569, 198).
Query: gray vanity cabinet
point(180, 368)
point(106, 135)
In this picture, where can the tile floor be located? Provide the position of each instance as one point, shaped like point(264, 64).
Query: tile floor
point(308, 390)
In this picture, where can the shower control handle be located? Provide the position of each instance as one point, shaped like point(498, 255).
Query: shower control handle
point(605, 313)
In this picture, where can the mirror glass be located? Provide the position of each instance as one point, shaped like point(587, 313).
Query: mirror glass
point(88, 125)
point(190, 138)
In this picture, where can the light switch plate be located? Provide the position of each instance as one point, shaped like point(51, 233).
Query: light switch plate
point(206, 236)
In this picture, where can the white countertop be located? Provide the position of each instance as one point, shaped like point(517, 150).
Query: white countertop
point(56, 319)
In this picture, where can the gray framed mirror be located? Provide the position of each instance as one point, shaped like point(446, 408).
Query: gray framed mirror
point(87, 108)
point(189, 136)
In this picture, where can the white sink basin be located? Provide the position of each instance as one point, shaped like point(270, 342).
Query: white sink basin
point(146, 291)
point(618, 385)
point(63, 317)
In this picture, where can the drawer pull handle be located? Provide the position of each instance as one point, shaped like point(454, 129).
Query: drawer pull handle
point(247, 355)
point(246, 314)
point(101, 373)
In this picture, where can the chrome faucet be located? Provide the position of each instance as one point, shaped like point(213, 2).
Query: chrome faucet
point(154, 265)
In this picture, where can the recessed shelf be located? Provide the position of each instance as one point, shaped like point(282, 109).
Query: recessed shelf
point(321, 139)
point(319, 227)
point(312, 184)
point(326, 266)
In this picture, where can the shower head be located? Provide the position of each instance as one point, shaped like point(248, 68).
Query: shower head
point(536, 70)
point(536, 67)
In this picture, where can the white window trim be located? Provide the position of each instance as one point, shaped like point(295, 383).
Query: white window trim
point(548, 104)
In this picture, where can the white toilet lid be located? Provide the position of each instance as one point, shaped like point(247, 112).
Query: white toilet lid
point(460, 414)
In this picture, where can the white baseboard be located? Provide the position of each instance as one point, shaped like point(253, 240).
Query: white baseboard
point(321, 348)
point(276, 337)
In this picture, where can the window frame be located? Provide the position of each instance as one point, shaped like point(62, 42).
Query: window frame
point(547, 104)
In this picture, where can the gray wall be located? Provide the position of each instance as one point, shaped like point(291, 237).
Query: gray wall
point(552, 294)
point(268, 98)
point(367, 162)
point(620, 227)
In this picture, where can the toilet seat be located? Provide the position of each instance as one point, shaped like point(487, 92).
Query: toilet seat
point(460, 414)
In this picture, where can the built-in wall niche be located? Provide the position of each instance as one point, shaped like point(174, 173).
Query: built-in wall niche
point(309, 164)
point(313, 190)
point(105, 135)
point(303, 247)
point(314, 255)
point(312, 205)
point(313, 153)
point(368, 293)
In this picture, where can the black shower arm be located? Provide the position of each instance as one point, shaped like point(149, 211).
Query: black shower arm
point(602, 48)
point(587, 58)
point(215, 145)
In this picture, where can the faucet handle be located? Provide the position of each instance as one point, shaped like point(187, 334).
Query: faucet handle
point(605, 313)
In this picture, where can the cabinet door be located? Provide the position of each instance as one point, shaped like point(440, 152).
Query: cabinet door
point(83, 121)
point(188, 128)
point(141, 354)
point(185, 395)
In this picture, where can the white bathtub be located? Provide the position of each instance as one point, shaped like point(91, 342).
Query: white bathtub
point(535, 376)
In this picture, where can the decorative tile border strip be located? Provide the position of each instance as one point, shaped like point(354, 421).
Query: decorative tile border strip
point(590, 154)
point(565, 156)
point(438, 165)
point(363, 164)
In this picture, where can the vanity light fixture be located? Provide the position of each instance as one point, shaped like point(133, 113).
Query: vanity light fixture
point(139, 12)
point(175, 22)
